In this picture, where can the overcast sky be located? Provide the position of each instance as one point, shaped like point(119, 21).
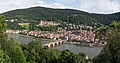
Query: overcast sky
point(92, 6)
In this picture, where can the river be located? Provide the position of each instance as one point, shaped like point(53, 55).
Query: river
point(91, 52)
point(26, 39)
point(20, 38)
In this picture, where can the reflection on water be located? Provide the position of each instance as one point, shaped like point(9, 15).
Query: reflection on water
point(91, 52)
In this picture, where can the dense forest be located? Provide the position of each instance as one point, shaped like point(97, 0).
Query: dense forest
point(60, 15)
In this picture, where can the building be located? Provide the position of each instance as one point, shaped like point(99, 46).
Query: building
point(47, 23)
point(22, 24)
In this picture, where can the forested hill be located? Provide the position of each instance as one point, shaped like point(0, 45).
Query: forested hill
point(60, 15)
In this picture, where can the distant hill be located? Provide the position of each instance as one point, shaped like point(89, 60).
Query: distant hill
point(60, 15)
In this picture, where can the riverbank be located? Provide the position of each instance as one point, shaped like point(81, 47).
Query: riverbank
point(91, 52)
point(85, 44)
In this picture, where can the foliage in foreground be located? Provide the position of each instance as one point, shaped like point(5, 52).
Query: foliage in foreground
point(111, 52)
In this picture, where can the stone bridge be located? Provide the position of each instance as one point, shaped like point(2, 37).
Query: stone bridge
point(54, 44)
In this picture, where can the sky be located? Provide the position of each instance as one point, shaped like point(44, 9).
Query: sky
point(92, 6)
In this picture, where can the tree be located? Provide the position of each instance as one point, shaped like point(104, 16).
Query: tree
point(35, 52)
point(68, 57)
point(14, 51)
point(2, 23)
point(4, 58)
point(114, 29)
point(111, 51)
point(33, 26)
point(32, 50)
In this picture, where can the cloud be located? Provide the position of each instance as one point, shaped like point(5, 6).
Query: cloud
point(56, 5)
point(15, 4)
point(101, 6)
point(67, 1)
point(7, 5)
point(93, 6)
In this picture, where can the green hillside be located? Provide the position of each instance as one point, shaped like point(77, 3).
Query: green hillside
point(60, 15)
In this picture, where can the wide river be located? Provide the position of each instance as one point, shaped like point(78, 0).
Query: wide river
point(91, 52)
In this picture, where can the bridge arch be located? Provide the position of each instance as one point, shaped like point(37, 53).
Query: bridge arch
point(62, 42)
point(59, 43)
point(55, 44)
point(51, 45)
point(47, 46)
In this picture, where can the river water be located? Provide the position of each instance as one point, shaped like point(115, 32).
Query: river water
point(91, 52)
point(26, 39)
point(20, 38)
